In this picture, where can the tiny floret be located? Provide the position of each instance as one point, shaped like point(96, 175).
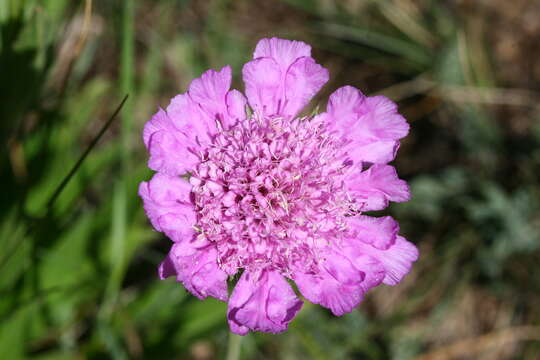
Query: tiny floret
point(245, 185)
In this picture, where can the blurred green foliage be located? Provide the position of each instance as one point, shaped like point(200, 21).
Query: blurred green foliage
point(79, 278)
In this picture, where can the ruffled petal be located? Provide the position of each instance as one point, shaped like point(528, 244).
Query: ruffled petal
point(380, 232)
point(171, 151)
point(211, 88)
point(211, 92)
point(187, 117)
point(378, 152)
point(371, 267)
point(194, 263)
point(262, 78)
point(174, 137)
point(341, 282)
point(168, 205)
point(376, 186)
point(284, 52)
point(262, 301)
point(383, 119)
point(343, 108)
point(369, 126)
point(283, 77)
point(303, 80)
point(236, 105)
point(397, 259)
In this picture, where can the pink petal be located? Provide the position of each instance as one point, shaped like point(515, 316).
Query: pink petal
point(211, 88)
point(341, 283)
point(262, 301)
point(369, 126)
point(236, 105)
point(171, 151)
point(343, 108)
point(303, 80)
point(263, 85)
point(380, 232)
point(378, 152)
point(373, 270)
point(375, 187)
point(168, 206)
point(284, 52)
point(397, 259)
point(283, 77)
point(192, 119)
point(383, 119)
point(194, 263)
point(187, 117)
point(211, 92)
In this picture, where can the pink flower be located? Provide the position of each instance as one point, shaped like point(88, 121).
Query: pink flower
point(276, 195)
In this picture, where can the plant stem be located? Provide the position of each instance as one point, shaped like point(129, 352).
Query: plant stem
point(233, 347)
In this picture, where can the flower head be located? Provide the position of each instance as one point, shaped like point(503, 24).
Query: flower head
point(276, 195)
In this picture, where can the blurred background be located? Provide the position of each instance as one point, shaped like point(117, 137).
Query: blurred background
point(78, 269)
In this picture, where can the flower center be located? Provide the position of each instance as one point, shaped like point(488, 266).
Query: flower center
point(268, 193)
